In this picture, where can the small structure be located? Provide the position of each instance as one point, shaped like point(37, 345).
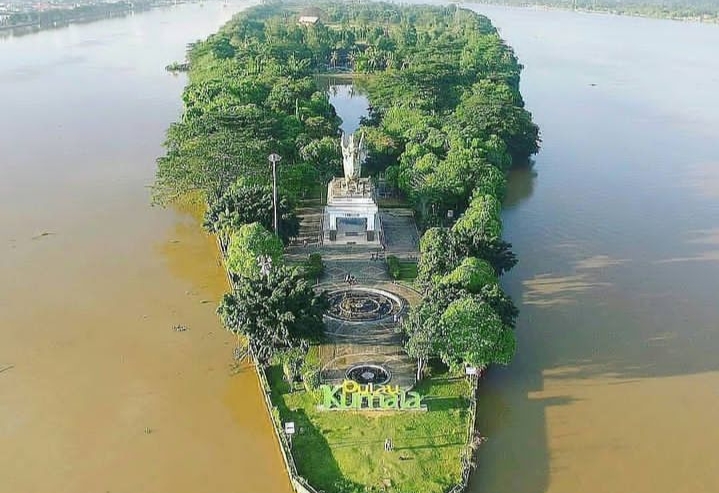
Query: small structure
point(351, 214)
point(309, 20)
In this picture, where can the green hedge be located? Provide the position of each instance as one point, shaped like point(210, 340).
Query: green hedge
point(393, 266)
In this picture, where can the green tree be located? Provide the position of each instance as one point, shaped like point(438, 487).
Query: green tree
point(325, 156)
point(420, 334)
point(437, 255)
point(494, 250)
point(292, 360)
point(247, 244)
point(422, 325)
point(482, 218)
point(244, 204)
point(276, 312)
point(473, 274)
point(501, 303)
point(472, 334)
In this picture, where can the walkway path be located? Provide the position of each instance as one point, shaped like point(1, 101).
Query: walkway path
point(373, 342)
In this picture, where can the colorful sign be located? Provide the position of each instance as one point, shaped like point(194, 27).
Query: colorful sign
point(352, 396)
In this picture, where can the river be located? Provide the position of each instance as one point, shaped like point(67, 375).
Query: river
point(97, 391)
point(615, 386)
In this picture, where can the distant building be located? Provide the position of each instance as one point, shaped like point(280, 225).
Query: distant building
point(309, 19)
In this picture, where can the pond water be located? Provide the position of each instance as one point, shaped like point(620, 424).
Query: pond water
point(349, 101)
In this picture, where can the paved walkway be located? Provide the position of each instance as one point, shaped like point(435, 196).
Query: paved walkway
point(376, 342)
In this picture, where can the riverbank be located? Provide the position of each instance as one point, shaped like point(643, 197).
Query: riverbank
point(21, 23)
point(684, 13)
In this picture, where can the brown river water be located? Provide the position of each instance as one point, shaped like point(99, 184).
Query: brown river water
point(92, 279)
point(615, 387)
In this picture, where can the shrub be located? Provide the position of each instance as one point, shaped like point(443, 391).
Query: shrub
point(393, 266)
point(311, 373)
point(292, 361)
point(249, 242)
point(311, 379)
point(313, 266)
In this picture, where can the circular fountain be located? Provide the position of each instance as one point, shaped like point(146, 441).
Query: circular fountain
point(363, 304)
point(366, 373)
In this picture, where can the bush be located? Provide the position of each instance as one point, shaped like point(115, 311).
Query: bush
point(311, 373)
point(393, 266)
point(276, 416)
point(313, 266)
point(249, 242)
point(292, 361)
point(311, 379)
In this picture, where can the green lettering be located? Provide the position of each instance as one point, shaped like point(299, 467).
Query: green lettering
point(330, 396)
point(412, 400)
point(388, 401)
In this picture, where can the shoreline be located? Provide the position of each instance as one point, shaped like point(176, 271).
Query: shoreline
point(27, 28)
point(600, 11)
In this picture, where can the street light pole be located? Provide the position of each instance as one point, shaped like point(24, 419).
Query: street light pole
point(274, 159)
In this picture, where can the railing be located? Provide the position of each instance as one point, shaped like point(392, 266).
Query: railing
point(299, 483)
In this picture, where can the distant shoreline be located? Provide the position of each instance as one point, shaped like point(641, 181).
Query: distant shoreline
point(60, 19)
point(641, 11)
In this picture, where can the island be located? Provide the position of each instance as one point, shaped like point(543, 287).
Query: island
point(364, 266)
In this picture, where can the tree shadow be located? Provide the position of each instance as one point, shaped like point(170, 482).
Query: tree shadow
point(313, 457)
point(589, 311)
point(522, 177)
point(445, 403)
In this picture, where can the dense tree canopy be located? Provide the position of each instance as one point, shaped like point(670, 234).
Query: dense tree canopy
point(249, 243)
point(482, 218)
point(446, 123)
point(242, 204)
point(276, 312)
point(705, 10)
point(445, 101)
point(473, 334)
point(437, 259)
point(472, 274)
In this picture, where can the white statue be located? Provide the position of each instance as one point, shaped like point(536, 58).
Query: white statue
point(353, 155)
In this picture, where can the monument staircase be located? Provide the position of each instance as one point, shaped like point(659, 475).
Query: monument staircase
point(309, 213)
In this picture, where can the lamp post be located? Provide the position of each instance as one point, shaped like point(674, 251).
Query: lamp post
point(274, 159)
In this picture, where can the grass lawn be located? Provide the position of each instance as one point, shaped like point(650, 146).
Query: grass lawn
point(407, 271)
point(343, 452)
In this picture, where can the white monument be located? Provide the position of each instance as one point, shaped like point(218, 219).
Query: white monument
point(351, 211)
point(353, 155)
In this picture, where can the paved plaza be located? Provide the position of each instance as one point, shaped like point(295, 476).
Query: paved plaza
point(373, 342)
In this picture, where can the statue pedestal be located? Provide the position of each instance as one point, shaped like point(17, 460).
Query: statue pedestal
point(351, 214)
